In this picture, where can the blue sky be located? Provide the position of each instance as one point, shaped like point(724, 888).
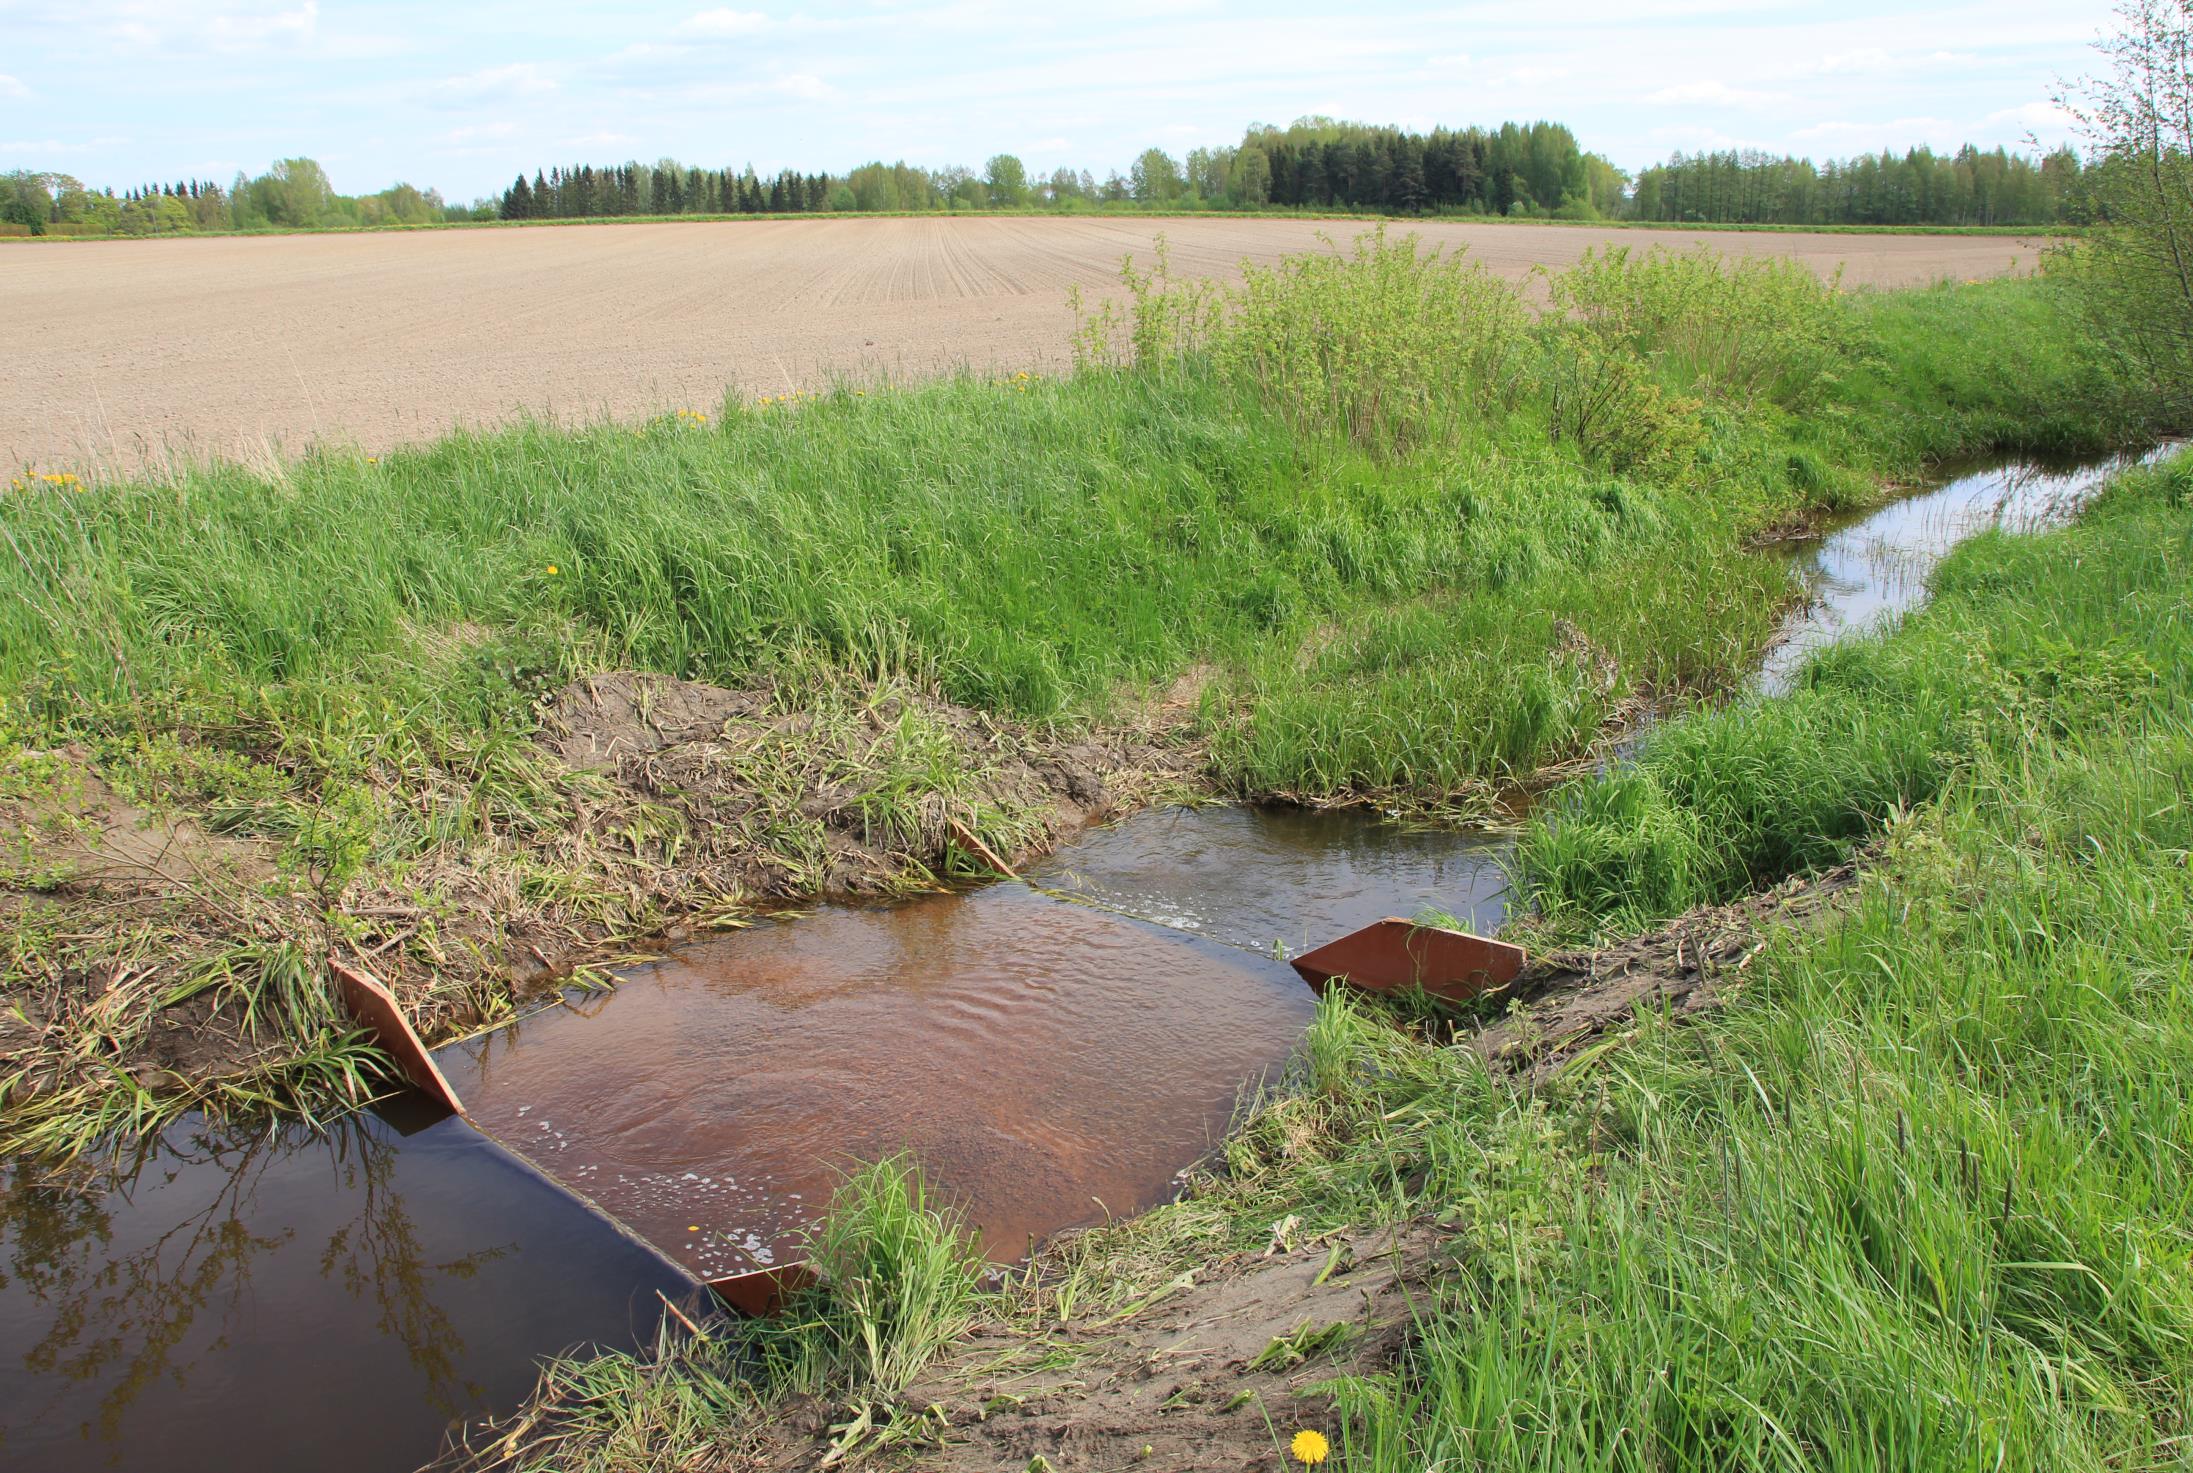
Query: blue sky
point(461, 96)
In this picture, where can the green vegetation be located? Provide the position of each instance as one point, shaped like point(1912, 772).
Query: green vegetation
point(903, 1285)
point(2135, 275)
point(1318, 163)
point(1908, 1203)
point(1315, 165)
point(1914, 1198)
point(293, 195)
point(1416, 542)
point(1921, 187)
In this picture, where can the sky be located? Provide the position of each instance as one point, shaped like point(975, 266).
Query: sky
point(461, 97)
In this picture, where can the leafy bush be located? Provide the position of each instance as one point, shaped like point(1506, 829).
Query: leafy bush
point(1602, 398)
point(1745, 330)
point(1159, 325)
point(1392, 346)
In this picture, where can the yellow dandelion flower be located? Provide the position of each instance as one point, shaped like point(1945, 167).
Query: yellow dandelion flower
point(1310, 1448)
point(551, 570)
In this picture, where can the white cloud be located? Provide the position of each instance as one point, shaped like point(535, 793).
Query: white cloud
point(1872, 61)
point(1693, 139)
point(648, 51)
point(723, 23)
point(2044, 118)
point(1712, 94)
point(36, 146)
point(480, 133)
point(518, 79)
point(10, 87)
point(205, 25)
point(249, 29)
point(805, 86)
point(1898, 133)
point(1528, 76)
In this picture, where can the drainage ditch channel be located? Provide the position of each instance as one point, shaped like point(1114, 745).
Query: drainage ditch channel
point(1054, 1051)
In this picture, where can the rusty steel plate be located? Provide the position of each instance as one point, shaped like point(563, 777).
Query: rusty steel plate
point(1394, 955)
point(376, 1010)
point(761, 1294)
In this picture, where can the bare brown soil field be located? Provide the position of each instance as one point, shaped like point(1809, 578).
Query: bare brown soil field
point(132, 352)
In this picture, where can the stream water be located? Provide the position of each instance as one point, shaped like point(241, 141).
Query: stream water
point(1053, 1052)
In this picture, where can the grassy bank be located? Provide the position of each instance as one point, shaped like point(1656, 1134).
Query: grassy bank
point(1373, 532)
point(1914, 1197)
point(1918, 1199)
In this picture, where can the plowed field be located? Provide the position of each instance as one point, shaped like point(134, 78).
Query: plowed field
point(129, 352)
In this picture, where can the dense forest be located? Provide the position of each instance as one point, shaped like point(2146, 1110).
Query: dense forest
point(1320, 163)
point(1920, 187)
point(1535, 170)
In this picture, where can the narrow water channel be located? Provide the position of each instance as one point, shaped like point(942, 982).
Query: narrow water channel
point(1053, 1052)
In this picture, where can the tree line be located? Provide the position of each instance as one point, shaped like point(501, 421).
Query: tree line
point(667, 188)
point(1322, 163)
point(294, 194)
point(1534, 170)
point(1918, 187)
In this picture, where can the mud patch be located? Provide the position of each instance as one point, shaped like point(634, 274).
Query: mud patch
point(98, 898)
point(838, 788)
point(1217, 1373)
point(1565, 1001)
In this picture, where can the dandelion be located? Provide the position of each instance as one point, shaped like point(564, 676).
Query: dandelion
point(551, 570)
point(1310, 1448)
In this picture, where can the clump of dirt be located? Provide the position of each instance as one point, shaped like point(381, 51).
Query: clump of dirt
point(843, 791)
point(99, 898)
point(1564, 1001)
point(1217, 1372)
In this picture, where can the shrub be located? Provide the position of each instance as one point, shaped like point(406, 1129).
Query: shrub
point(1742, 330)
point(1392, 346)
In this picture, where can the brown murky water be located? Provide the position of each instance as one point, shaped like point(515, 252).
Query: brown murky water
point(1281, 879)
point(290, 1299)
point(1048, 1064)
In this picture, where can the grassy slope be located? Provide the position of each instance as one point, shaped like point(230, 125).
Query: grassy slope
point(341, 659)
point(1920, 1200)
point(1917, 1198)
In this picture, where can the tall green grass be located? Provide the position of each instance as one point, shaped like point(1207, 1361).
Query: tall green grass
point(1034, 548)
point(1351, 499)
point(898, 1282)
point(1723, 801)
point(1918, 1198)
